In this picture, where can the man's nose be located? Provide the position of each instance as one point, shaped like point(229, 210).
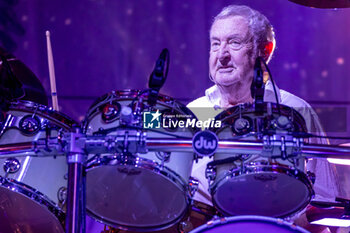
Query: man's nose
point(224, 54)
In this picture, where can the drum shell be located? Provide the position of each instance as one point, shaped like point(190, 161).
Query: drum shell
point(46, 174)
point(179, 162)
point(35, 186)
point(174, 169)
point(254, 184)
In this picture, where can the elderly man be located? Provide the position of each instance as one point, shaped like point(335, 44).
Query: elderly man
point(239, 35)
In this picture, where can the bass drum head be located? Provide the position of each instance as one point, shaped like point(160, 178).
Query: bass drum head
point(249, 224)
point(21, 213)
point(133, 197)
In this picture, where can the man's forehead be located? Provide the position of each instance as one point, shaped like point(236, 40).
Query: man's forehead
point(232, 26)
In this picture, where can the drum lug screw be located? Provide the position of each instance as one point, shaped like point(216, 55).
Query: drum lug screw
point(62, 195)
point(11, 165)
point(193, 186)
point(185, 226)
point(210, 173)
point(163, 156)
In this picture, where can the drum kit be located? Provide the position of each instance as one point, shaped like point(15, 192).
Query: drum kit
point(132, 177)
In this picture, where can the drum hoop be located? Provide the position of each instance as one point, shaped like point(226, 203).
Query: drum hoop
point(139, 229)
point(247, 218)
point(34, 195)
point(153, 166)
point(248, 108)
point(260, 169)
point(48, 113)
point(130, 94)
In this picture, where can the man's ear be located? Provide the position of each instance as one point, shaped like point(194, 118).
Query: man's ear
point(267, 50)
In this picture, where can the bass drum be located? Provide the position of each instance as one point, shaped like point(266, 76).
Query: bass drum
point(249, 224)
point(242, 184)
point(138, 192)
point(32, 189)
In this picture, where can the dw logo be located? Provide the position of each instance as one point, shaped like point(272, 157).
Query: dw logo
point(151, 120)
point(205, 143)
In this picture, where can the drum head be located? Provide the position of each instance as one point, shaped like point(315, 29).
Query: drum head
point(262, 194)
point(20, 213)
point(249, 224)
point(134, 198)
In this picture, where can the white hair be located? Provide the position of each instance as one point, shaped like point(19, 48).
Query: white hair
point(260, 28)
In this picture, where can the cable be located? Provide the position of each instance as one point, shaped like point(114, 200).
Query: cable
point(273, 85)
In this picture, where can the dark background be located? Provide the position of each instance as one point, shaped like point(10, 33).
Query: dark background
point(105, 45)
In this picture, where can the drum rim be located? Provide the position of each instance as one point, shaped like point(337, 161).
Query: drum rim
point(59, 118)
point(150, 165)
point(36, 196)
point(227, 220)
point(257, 168)
point(248, 108)
point(130, 94)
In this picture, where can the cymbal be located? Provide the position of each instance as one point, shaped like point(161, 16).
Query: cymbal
point(32, 87)
point(324, 3)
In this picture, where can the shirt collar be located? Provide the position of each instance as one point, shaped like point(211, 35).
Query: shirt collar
point(213, 94)
point(269, 95)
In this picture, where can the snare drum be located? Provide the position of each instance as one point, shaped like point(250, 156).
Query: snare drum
point(32, 189)
point(242, 184)
point(139, 192)
point(249, 224)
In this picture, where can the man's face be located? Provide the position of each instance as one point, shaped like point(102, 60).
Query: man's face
point(230, 60)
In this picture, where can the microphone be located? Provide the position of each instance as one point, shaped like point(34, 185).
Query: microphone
point(257, 88)
point(158, 76)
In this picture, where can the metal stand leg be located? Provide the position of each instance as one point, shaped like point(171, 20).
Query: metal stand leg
point(75, 203)
point(74, 207)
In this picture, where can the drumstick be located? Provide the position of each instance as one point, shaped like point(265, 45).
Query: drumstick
point(51, 72)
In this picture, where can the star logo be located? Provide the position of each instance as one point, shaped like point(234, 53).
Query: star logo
point(151, 120)
point(156, 115)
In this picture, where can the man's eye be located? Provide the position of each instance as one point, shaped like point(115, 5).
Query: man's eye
point(215, 45)
point(234, 42)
